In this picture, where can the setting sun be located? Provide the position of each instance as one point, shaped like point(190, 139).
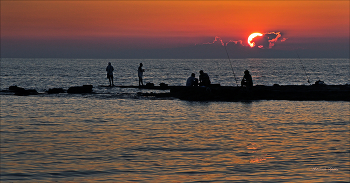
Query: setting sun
point(251, 37)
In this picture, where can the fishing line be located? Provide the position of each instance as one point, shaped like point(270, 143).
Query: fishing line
point(303, 68)
point(231, 64)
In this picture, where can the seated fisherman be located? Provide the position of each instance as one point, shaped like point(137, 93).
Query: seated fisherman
point(247, 79)
point(204, 79)
point(192, 81)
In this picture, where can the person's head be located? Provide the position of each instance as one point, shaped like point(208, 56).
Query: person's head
point(109, 63)
point(141, 64)
point(246, 72)
point(201, 72)
point(193, 75)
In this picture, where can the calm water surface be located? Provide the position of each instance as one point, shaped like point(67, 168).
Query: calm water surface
point(117, 136)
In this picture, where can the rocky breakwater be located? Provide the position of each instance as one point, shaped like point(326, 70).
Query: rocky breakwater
point(80, 89)
point(25, 92)
point(276, 92)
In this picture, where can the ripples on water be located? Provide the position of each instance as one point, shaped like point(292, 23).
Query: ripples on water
point(42, 74)
point(113, 137)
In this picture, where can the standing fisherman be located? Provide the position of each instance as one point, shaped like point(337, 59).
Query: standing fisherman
point(140, 74)
point(110, 70)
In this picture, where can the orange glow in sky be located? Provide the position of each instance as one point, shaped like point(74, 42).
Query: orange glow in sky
point(233, 19)
point(140, 24)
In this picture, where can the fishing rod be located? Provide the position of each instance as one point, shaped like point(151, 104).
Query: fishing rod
point(303, 68)
point(230, 64)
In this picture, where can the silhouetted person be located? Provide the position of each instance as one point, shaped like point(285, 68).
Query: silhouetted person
point(110, 70)
point(247, 79)
point(192, 80)
point(140, 74)
point(204, 79)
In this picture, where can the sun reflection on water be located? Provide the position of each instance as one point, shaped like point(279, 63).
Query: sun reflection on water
point(162, 141)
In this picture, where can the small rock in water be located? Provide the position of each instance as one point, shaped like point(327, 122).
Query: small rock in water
point(21, 91)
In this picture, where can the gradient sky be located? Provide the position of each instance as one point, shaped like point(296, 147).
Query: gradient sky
point(116, 28)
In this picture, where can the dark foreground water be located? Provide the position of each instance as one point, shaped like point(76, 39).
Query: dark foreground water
point(115, 135)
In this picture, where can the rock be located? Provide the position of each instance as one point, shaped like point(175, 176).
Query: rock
point(16, 88)
point(163, 85)
point(80, 89)
point(319, 82)
point(22, 92)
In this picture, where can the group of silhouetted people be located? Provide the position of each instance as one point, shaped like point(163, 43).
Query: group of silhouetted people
point(204, 79)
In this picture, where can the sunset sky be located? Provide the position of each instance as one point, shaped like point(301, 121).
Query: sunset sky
point(140, 29)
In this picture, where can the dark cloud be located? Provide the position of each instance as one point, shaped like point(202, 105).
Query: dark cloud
point(274, 45)
point(239, 43)
point(217, 41)
point(268, 40)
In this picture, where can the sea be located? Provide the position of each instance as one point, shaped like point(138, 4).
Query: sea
point(117, 135)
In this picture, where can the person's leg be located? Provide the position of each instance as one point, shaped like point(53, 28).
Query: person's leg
point(112, 80)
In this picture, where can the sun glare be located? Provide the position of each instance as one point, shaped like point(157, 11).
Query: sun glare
point(251, 37)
